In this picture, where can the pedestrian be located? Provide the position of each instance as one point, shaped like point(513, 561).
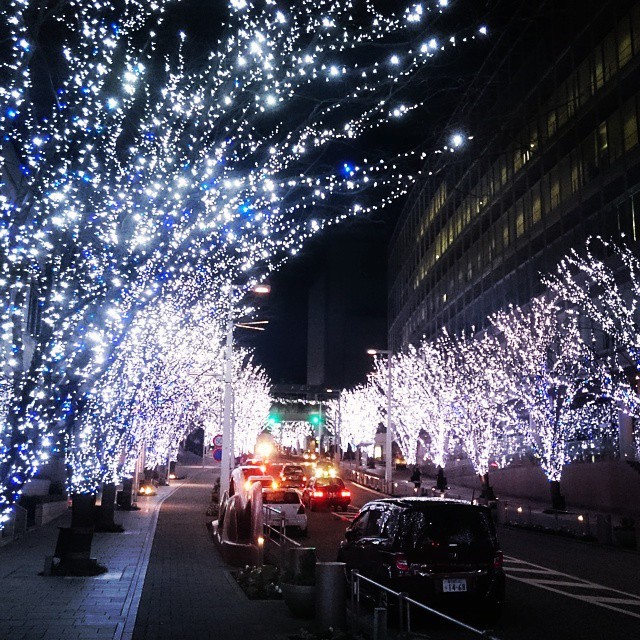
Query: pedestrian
point(416, 476)
point(441, 481)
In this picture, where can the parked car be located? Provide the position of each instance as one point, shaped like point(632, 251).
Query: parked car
point(326, 493)
point(287, 504)
point(293, 475)
point(442, 552)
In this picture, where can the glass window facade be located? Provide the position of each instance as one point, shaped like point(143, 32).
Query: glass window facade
point(562, 166)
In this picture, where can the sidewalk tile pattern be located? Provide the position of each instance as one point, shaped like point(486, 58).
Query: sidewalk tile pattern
point(189, 592)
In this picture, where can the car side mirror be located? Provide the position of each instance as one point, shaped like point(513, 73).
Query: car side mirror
point(349, 534)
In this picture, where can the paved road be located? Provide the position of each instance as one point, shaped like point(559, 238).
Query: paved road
point(556, 588)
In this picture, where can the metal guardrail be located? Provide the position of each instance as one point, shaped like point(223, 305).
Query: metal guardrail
point(276, 542)
point(404, 607)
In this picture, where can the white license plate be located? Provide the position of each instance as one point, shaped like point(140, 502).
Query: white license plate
point(454, 585)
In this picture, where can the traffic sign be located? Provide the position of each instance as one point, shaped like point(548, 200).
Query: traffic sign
point(217, 440)
point(217, 454)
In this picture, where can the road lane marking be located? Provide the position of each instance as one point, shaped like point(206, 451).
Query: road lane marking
point(349, 516)
point(564, 583)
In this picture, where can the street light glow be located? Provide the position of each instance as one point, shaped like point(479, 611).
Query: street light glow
point(262, 289)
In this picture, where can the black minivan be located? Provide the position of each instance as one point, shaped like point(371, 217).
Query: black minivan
point(441, 552)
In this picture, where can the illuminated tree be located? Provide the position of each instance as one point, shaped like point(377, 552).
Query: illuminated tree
point(251, 404)
point(603, 281)
point(136, 180)
point(483, 399)
point(431, 375)
point(359, 416)
point(555, 379)
point(295, 433)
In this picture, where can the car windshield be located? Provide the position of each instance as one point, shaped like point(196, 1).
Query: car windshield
point(280, 497)
point(249, 470)
point(265, 481)
point(293, 470)
point(445, 525)
point(334, 483)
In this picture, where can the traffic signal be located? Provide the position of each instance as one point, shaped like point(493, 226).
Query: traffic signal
point(315, 418)
point(274, 418)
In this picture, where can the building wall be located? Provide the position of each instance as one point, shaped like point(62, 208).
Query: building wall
point(347, 307)
point(606, 486)
point(555, 158)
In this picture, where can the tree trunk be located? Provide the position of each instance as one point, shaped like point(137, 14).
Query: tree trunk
point(557, 499)
point(125, 497)
point(82, 511)
point(105, 512)
point(74, 543)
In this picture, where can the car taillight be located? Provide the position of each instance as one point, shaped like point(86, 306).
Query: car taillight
point(498, 560)
point(318, 494)
point(345, 494)
point(301, 510)
point(401, 562)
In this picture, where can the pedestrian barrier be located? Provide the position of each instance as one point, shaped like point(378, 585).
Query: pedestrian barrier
point(405, 604)
point(276, 542)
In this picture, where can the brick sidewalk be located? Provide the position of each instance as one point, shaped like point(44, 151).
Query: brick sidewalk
point(188, 592)
point(34, 607)
point(166, 579)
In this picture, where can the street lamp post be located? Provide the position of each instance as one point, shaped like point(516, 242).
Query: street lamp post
point(226, 463)
point(388, 443)
point(227, 438)
point(338, 434)
point(337, 426)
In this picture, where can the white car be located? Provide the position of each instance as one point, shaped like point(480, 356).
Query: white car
point(284, 504)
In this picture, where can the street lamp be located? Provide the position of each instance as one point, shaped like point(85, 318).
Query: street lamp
point(337, 426)
point(227, 433)
point(388, 443)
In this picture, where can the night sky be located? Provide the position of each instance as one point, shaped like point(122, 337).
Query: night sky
point(282, 348)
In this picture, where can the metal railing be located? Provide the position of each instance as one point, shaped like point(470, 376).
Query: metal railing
point(404, 607)
point(276, 542)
